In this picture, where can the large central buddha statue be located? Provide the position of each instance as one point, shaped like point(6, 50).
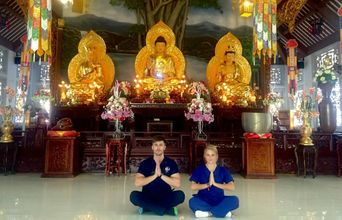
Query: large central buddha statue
point(91, 71)
point(160, 64)
point(229, 73)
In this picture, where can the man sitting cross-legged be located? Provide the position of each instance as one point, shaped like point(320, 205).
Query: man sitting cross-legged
point(158, 176)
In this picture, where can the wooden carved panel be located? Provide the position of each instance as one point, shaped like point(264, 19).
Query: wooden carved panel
point(59, 156)
point(258, 158)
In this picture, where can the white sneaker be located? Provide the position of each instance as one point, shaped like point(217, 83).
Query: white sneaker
point(229, 215)
point(201, 214)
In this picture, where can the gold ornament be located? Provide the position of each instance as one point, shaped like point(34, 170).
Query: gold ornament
point(7, 125)
point(288, 13)
point(91, 71)
point(306, 131)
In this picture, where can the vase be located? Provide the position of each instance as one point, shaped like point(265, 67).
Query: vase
point(7, 125)
point(306, 131)
point(327, 110)
point(256, 122)
point(118, 134)
point(200, 135)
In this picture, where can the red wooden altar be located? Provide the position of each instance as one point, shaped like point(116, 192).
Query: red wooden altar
point(61, 157)
point(258, 158)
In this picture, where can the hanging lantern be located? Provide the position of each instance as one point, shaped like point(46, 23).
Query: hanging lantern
point(39, 29)
point(292, 66)
point(246, 8)
point(265, 29)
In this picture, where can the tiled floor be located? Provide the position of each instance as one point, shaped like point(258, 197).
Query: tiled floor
point(94, 196)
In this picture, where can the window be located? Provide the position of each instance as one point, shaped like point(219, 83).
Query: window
point(276, 75)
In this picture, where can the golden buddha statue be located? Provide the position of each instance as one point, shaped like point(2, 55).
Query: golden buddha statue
point(160, 64)
point(91, 71)
point(229, 73)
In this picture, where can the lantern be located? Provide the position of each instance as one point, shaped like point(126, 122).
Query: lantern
point(246, 8)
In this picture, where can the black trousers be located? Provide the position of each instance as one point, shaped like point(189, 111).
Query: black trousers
point(159, 205)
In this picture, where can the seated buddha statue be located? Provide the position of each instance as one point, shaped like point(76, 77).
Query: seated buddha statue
point(91, 71)
point(160, 64)
point(229, 73)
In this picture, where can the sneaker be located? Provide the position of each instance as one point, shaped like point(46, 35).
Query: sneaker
point(140, 210)
point(175, 211)
point(229, 214)
point(172, 211)
point(201, 214)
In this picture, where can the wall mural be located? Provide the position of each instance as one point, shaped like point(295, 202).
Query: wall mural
point(198, 26)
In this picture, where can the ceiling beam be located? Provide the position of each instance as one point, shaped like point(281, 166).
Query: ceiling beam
point(14, 13)
point(335, 37)
point(328, 16)
point(300, 21)
point(6, 43)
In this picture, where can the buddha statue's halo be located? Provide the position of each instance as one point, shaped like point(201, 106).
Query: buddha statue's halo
point(228, 43)
point(160, 30)
point(92, 38)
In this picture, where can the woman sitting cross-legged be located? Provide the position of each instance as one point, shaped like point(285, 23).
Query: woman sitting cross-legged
point(211, 180)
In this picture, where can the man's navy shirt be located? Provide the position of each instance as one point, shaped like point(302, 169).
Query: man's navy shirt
point(212, 195)
point(157, 187)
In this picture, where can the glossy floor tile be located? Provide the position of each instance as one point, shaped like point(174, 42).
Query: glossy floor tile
point(97, 197)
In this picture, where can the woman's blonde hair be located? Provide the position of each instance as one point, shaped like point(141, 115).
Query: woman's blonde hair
point(212, 148)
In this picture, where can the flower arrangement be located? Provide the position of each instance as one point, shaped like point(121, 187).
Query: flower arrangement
point(8, 110)
point(273, 98)
point(325, 75)
point(306, 104)
point(274, 101)
point(192, 88)
point(117, 107)
point(125, 89)
point(42, 94)
point(10, 93)
point(198, 109)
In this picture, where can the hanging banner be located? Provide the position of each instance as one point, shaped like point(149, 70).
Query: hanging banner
point(292, 66)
